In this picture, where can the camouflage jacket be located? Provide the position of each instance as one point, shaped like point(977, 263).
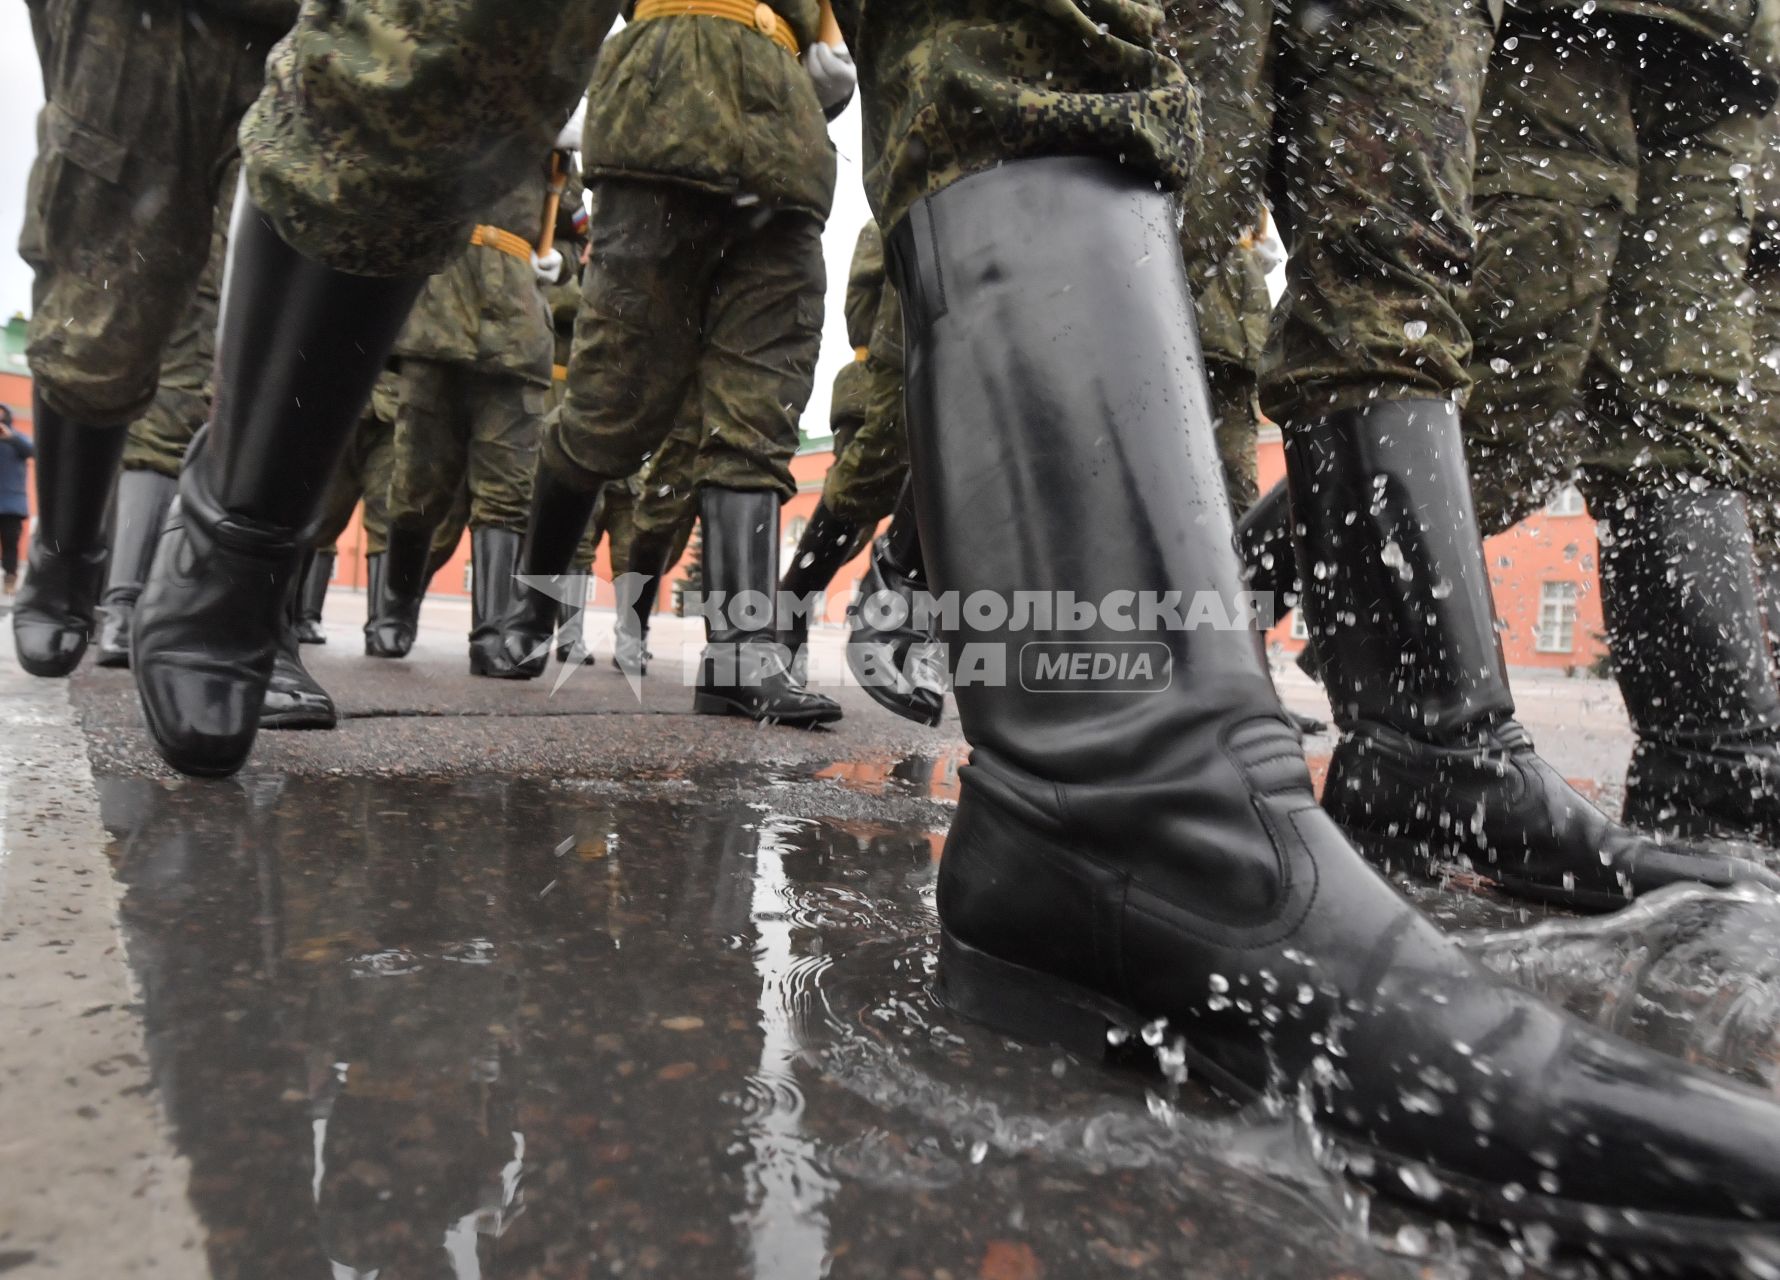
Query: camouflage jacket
point(485, 310)
point(865, 284)
point(714, 104)
point(865, 296)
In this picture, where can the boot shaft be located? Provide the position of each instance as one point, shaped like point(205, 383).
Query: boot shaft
point(1680, 598)
point(1397, 595)
point(1052, 364)
point(741, 561)
point(141, 509)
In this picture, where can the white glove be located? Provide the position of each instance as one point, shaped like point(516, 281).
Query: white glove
point(834, 75)
point(548, 267)
point(570, 137)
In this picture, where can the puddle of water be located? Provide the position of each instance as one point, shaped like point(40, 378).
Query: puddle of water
point(507, 1028)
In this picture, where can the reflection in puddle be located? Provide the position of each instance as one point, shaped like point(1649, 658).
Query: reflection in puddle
point(518, 1029)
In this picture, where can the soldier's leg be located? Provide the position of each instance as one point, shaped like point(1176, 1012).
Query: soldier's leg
point(763, 329)
point(1556, 176)
point(359, 183)
point(1075, 409)
point(1232, 308)
point(1227, 51)
point(505, 416)
point(1664, 461)
point(1432, 769)
point(429, 460)
point(636, 339)
point(133, 145)
point(157, 441)
point(662, 512)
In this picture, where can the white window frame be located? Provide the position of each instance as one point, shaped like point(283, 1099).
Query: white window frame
point(1555, 629)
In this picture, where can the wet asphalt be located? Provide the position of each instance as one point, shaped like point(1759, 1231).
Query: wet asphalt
point(495, 982)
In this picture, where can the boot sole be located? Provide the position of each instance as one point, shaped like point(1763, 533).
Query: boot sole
point(300, 720)
point(1037, 1008)
point(1432, 864)
point(710, 704)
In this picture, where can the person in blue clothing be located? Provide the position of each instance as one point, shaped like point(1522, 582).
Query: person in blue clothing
point(16, 450)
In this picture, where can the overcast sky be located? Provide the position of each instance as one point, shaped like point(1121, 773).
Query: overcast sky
point(21, 94)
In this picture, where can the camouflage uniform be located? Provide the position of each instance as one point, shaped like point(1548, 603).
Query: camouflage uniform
point(157, 440)
point(135, 147)
point(1610, 310)
point(871, 448)
point(360, 176)
point(1375, 101)
point(1233, 306)
point(476, 361)
point(708, 267)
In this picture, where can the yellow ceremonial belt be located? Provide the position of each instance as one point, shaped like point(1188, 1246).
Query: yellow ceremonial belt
point(504, 242)
point(762, 17)
point(559, 372)
point(860, 353)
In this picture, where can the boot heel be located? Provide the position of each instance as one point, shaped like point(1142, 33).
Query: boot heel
point(709, 704)
point(1026, 1004)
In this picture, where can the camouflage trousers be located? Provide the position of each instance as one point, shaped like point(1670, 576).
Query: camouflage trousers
point(1609, 307)
point(1233, 307)
point(690, 292)
point(1373, 103)
point(613, 514)
point(157, 441)
point(380, 170)
point(457, 428)
point(364, 475)
point(871, 459)
point(134, 152)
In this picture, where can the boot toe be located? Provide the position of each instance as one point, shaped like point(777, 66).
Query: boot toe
point(202, 717)
point(295, 700)
point(47, 649)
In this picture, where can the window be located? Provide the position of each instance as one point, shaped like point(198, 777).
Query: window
point(1557, 618)
point(1565, 502)
point(1300, 630)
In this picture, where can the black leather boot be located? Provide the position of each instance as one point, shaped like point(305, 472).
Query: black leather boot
point(1768, 584)
point(636, 605)
point(896, 659)
point(1144, 857)
point(827, 543)
point(294, 698)
point(495, 555)
point(53, 613)
point(407, 561)
point(1678, 591)
point(1270, 563)
point(1269, 558)
point(298, 348)
point(558, 520)
point(374, 596)
point(314, 598)
point(744, 670)
point(1432, 768)
point(141, 509)
point(571, 623)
